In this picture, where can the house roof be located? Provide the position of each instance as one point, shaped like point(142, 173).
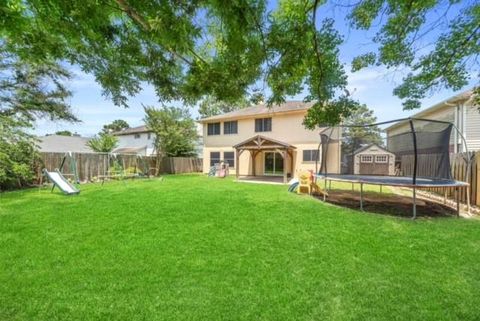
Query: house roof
point(261, 109)
point(133, 130)
point(366, 147)
point(463, 96)
point(63, 144)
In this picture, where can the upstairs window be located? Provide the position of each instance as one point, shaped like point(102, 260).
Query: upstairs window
point(213, 129)
point(230, 127)
point(229, 158)
point(310, 155)
point(263, 125)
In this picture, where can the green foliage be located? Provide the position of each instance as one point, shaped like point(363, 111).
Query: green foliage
point(64, 133)
point(356, 137)
point(115, 126)
point(103, 143)
point(449, 63)
point(174, 129)
point(211, 106)
point(197, 49)
point(28, 91)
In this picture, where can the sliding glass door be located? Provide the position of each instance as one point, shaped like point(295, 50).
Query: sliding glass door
point(273, 163)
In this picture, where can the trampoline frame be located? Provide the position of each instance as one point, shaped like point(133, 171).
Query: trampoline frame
point(452, 183)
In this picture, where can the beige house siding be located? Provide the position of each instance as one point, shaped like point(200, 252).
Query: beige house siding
point(472, 127)
point(286, 127)
point(459, 110)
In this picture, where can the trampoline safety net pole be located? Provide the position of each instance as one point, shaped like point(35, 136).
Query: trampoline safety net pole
point(414, 203)
point(415, 162)
point(361, 196)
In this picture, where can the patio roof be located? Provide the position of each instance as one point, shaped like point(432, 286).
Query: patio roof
point(260, 142)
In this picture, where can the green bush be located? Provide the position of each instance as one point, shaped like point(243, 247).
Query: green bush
point(17, 163)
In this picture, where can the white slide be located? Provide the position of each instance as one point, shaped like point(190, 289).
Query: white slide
point(59, 180)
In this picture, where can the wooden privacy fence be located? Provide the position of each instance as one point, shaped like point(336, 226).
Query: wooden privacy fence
point(178, 165)
point(89, 166)
point(459, 167)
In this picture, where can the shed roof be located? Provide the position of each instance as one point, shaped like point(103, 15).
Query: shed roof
point(366, 147)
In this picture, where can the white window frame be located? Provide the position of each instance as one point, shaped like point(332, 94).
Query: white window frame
point(381, 159)
point(366, 158)
point(137, 136)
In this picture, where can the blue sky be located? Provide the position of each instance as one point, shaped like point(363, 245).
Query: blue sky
point(372, 86)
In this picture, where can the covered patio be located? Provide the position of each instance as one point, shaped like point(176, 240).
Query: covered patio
point(258, 144)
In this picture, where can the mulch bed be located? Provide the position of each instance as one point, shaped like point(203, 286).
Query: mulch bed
point(390, 204)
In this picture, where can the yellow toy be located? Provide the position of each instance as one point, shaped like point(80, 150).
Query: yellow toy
point(306, 185)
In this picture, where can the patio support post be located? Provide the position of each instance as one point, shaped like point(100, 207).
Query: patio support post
point(285, 167)
point(237, 165)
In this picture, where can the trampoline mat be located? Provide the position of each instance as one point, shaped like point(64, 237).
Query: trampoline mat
point(393, 180)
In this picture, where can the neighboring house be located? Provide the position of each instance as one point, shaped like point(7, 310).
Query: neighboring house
point(138, 140)
point(461, 111)
point(373, 160)
point(63, 144)
point(265, 141)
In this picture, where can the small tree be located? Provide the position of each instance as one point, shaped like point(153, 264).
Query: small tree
point(103, 143)
point(115, 126)
point(64, 133)
point(174, 129)
point(356, 137)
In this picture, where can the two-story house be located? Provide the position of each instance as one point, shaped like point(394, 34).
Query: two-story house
point(263, 141)
point(459, 110)
point(140, 140)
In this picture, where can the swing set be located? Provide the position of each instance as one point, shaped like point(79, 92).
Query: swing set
point(117, 167)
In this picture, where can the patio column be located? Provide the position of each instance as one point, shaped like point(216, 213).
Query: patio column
point(237, 165)
point(285, 167)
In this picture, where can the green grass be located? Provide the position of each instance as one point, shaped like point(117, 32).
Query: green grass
point(194, 248)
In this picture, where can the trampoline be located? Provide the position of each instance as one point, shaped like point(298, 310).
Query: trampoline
point(414, 153)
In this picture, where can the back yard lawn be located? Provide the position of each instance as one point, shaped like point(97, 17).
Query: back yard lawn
point(193, 248)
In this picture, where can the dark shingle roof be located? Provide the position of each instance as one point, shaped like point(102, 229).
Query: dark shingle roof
point(133, 130)
point(262, 109)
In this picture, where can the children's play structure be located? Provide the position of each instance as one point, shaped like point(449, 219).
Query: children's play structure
point(413, 154)
point(61, 182)
point(125, 166)
point(306, 184)
point(220, 169)
point(58, 178)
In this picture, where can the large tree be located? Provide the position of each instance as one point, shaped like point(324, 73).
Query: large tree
point(28, 91)
point(192, 49)
point(174, 129)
